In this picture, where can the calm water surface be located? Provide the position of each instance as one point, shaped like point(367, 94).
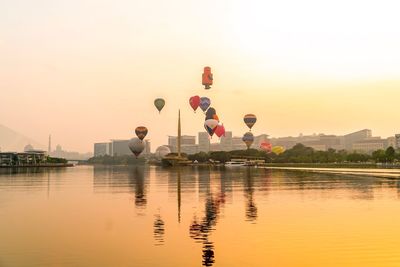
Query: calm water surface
point(149, 216)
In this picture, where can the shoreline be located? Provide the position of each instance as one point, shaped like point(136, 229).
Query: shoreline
point(52, 165)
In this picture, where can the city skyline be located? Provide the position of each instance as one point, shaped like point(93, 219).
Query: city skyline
point(88, 70)
point(362, 141)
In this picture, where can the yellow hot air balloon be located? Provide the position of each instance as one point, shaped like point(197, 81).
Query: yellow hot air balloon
point(278, 150)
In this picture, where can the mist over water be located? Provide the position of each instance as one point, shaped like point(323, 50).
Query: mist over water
point(150, 216)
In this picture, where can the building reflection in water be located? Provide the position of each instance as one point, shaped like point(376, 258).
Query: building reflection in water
point(159, 230)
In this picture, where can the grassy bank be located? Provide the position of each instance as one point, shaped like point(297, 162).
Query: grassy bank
point(335, 165)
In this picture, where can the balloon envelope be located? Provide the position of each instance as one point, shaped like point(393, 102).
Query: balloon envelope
point(207, 78)
point(248, 139)
point(141, 132)
point(159, 103)
point(136, 146)
point(205, 102)
point(219, 130)
point(266, 146)
point(194, 102)
point(210, 126)
point(278, 150)
point(162, 151)
point(210, 113)
point(250, 120)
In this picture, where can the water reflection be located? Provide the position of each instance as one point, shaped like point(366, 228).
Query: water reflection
point(159, 230)
point(197, 198)
point(123, 179)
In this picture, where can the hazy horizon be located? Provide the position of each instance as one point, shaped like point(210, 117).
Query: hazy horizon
point(89, 71)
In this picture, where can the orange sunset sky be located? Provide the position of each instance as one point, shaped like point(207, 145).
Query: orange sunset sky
point(88, 71)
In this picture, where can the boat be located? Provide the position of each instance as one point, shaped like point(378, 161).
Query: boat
point(235, 164)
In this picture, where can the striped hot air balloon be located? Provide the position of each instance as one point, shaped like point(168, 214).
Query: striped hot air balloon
point(250, 120)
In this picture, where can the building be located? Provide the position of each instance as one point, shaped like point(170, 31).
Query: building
point(102, 149)
point(204, 142)
point(215, 147)
point(238, 144)
point(351, 138)
point(33, 157)
point(120, 148)
point(226, 142)
point(189, 149)
point(369, 145)
point(186, 140)
point(397, 138)
point(69, 155)
point(391, 141)
point(147, 147)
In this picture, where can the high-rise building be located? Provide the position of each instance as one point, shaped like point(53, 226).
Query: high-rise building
point(120, 147)
point(204, 142)
point(147, 148)
point(397, 140)
point(186, 140)
point(101, 149)
point(226, 142)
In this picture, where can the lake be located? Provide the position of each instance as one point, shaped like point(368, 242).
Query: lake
point(197, 216)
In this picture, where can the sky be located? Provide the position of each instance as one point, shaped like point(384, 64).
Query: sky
point(88, 71)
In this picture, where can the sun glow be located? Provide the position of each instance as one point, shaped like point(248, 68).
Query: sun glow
point(346, 39)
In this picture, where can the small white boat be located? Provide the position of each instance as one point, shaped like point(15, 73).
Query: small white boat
point(235, 164)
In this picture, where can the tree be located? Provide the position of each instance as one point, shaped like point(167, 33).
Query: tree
point(390, 154)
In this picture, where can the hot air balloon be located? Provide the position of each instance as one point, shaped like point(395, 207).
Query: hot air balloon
point(136, 146)
point(278, 150)
point(210, 113)
point(220, 130)
point(210, 126)
point(205, 102)
point(266, 146)
point(162, 151)
point(194, 102)
point(207, 78)
point(159, 103)
point(215, 117)
point(141, 132)
point(248, 139)
point(250, 120)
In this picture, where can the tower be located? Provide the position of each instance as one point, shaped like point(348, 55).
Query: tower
point(179, 134)
point(49, 148)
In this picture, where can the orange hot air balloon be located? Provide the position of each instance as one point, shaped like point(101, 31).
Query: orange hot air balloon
point(207, 78)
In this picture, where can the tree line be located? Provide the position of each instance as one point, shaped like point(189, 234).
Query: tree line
point(302, 154)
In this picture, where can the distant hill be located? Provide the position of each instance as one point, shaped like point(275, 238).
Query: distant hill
point(10, 140)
